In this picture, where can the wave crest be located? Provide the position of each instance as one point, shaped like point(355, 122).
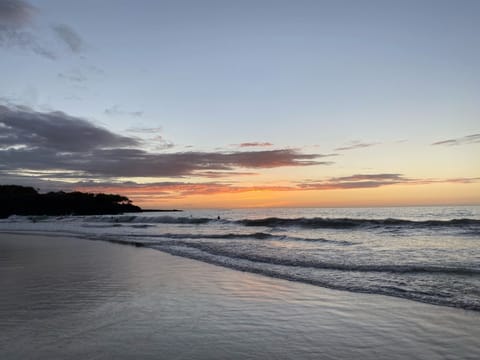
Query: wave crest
point(348, 223)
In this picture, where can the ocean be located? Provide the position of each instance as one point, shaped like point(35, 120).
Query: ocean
point(425, 254)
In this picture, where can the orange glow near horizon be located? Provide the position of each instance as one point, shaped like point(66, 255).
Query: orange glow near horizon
point(200, 196)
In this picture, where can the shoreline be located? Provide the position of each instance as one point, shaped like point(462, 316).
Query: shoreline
point(225, 265)
point(66, 297)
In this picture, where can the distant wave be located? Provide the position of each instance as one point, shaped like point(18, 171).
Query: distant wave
point(271, 222)
point(347, 223)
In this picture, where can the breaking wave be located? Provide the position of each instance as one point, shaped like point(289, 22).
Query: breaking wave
point(472, 225)
point(347, 223)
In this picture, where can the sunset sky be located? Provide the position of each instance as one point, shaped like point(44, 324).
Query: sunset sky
point(198, 104)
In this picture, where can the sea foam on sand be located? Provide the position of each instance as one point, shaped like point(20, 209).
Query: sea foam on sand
point(63, 297)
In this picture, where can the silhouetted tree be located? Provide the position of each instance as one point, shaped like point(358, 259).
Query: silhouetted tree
point(22, 200)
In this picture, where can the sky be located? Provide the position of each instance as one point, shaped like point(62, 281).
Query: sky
point(225, 104)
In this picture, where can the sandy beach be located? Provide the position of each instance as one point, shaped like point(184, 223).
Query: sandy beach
point(64, 297)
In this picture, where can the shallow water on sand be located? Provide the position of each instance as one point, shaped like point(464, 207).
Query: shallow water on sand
point(77, 299)
point(426, 254)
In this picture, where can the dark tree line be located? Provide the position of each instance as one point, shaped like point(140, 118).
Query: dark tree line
point(22, 200)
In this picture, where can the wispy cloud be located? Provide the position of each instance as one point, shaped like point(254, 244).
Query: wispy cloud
point(144, 130)
point(169, 190)
point(362, 181)
point(151, 137)
point(175, 190)
point(223, 174)
point(356, 181)
point(158, 142)
point(356, 145)
point(75, 76)
point(255, 144)
point(69, 37)
point(9, 100)
point(15, 18)
point(116, 110)
point(469, 139)
point(81, 74)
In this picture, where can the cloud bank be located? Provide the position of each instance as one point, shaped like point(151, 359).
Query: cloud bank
point(177, 190)
point(54, 131)
point(54, 150)
point(36, 141)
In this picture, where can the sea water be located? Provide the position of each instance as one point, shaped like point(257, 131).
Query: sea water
point(427, 254)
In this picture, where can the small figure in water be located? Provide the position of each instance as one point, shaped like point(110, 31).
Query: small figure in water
point(218, 217)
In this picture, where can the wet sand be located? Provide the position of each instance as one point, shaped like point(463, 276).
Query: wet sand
point(63, 297)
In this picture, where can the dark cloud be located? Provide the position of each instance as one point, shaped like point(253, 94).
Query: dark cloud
point(255, 144)
point(53, 132)
point(269, 158)
point(469, 139)
point(137, 163)
point(123, 162)
point(15, 13)
point(355, 145)
point(56, 141)
point(69, 37)
point(15, 17)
